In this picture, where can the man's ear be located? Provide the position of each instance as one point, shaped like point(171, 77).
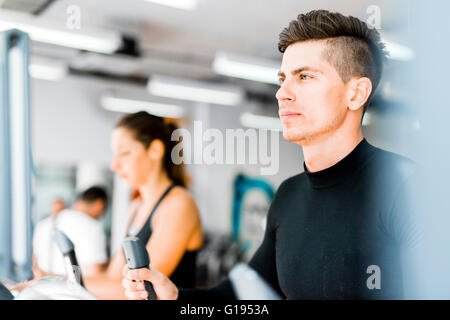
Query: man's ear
point(358, 92)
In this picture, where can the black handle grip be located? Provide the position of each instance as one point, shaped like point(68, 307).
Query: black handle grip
point(137, 257)
point(150, 290)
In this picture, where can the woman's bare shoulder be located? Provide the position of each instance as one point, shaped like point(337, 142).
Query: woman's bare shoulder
point(181, 198)
point(182, 193)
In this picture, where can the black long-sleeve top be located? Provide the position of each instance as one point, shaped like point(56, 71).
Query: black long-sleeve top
point(327, 231)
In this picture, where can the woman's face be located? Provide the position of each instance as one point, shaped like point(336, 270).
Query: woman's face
point(131, 161)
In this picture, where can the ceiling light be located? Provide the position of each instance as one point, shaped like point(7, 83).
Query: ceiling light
point(90, 39)
point(46, 69)
point(398, 51)
point(184, 89)
point(179, 4)
point(245, 67)
point(126, 105)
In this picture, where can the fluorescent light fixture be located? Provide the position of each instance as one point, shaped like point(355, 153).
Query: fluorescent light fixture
point(114, 64)
point(261, 122)
point(398, 51)
point(179, 4)
point(93, 40)
point(245, 67)
point(184, 89)
point(126, 105)
point(46, 69)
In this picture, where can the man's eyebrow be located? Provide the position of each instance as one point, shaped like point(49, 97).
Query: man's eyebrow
point(306, 68)
point(299, 70)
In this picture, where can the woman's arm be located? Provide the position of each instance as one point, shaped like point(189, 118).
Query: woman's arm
point(107, 284)
point(177, 221)
point(105, 288)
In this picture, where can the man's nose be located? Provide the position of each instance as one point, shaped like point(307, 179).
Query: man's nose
point(284, 93)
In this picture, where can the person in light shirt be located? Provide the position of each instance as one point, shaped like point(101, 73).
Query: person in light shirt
point(81, 224)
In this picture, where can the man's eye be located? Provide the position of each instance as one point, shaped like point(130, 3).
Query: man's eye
point(305, 77)
point(281, 81)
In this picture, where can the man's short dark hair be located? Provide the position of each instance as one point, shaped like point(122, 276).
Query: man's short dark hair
point(92, 194)
point(354, 49)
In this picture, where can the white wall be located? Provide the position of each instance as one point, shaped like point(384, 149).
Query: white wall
point(68, 124)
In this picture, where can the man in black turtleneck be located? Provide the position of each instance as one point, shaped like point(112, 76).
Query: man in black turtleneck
point(339, 230)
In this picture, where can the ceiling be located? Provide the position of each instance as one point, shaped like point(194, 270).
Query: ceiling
point(183, 43)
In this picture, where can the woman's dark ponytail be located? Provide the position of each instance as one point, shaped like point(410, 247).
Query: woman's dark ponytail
point(175, 171)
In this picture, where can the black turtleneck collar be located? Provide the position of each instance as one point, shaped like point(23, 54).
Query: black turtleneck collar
point(343, 169)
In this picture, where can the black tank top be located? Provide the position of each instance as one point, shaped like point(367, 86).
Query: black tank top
point(184, 274)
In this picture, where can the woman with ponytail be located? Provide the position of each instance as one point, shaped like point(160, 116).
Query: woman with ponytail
point(162, 213)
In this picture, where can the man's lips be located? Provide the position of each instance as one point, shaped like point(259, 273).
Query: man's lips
point(285, 114)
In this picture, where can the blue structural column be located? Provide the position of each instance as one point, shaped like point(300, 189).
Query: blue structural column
point(15, 157)
point(242, 185)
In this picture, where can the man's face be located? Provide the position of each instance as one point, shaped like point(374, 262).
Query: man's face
point(97, 208)
point(311, 95)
